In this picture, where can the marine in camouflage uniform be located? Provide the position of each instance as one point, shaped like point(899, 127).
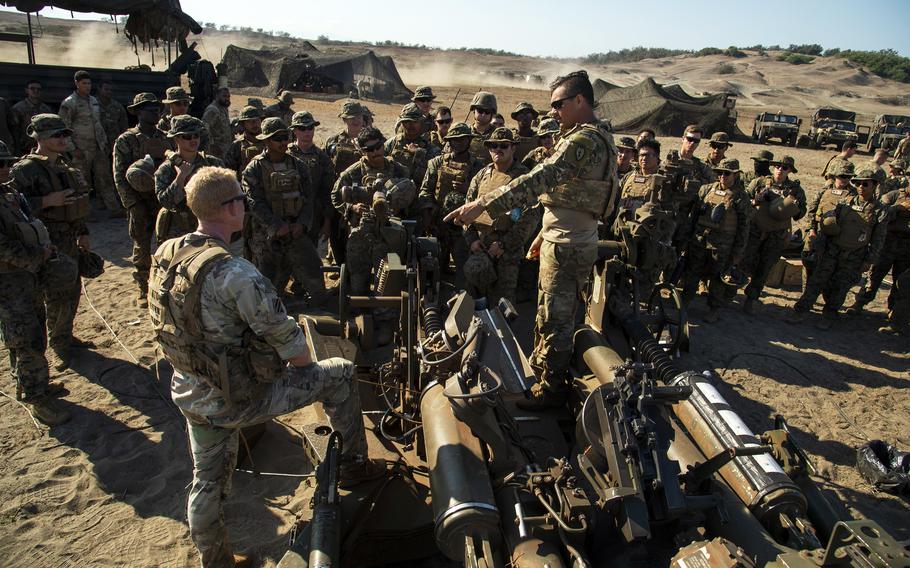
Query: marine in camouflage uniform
point(218, 122)
point(423, 98)
point(113, 114)
point(685, 175)
point(23, 111)
point(443, 122)
point(719, 144)
point(547, 130)
point(82, 113)
point(720, 235)
point(761, 166)
point(26, 257)
point(484, 107)
point(777, 201)
point(899, 312)
point(137, 143)
point(342, 147)
point(626, 161)
point(443, 191)
point(575, 187)
point(283, 109)
point(497, 244)
point(238, 316)
point(902, 152)
point(856, 229)
point(175, 218)
point(177, 103)
point(410, 148)
point(247, 145)
point(525, 137)
point(895, 254)
point(897, 179)
point(839, 162)
point(322, 180)
point(58, 195)
point(821, 204)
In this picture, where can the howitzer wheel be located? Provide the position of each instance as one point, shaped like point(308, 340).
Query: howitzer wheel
point(668, 322)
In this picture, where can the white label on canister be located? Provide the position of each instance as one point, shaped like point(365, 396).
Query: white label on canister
point(735, 423)
point(710, 393)
point(767, 463)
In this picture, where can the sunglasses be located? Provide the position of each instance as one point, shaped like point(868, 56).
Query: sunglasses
point(372, 147)
point(241, 197)
point(280, 138)
point(784, 168)
point(693, 139)
point(189, 137)
point(865, 183)
point(556, 105)
point(843, 177)
point(502, 146)
point(443, 121)
point(479, 110)
point(61, 135)
point(423, 100)
point(305, 128)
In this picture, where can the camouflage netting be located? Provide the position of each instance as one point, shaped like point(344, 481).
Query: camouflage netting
point(304, 68)
point(601, 87)
point(666, 110)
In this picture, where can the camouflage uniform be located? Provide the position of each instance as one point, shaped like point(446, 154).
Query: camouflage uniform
point(769, 233)
point(547, 127)
point(221, 135)
point(322, 180)
point(575, 187)
point(398, 148)
point(235, 301)
point(823, 203)
point(113, 120)
point(686, 176)
point(899, 312)
point(341, 147)
point(496, 278)
point(483, 100)
point(92, 155)
point(717, 244)
point(902, 152)
point(760, 156)
point(835, 163)
point(280, 193)
point(24, 110)
point(241, 152)
point(282, 109)
point(141, 205)
point(895, 254)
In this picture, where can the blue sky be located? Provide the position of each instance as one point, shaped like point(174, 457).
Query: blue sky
point(575, 28)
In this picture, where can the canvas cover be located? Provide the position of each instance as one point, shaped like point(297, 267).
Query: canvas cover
point(666, 110)
point(303, 68)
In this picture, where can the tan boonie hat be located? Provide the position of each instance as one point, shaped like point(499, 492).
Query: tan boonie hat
point(350, 109)
point(254, 102)
point(460, 130)
point(185, 124)
point(484, 100)
point(286, 97)
point(249, 113)
point(410, 113)
point(271, 127)
point(176, 95)
point(143, 99)
point(626, 142)
point(865, 172)
point(787, 161)
point(501, 134)
point(728, 165)
point(46, 125)
point(522, 107)
point(763, 156)
point(303, 119)
point(720, 139)
point(548, 127)
point(423, 93)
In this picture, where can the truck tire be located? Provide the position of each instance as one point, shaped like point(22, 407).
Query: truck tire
point(762, 138)
point(793, 138)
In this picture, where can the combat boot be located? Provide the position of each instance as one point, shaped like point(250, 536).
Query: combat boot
point(142, 299)
point(355, 472)
point(47, 410)
point(856, 309)
point(64, 358)
point(749, 307)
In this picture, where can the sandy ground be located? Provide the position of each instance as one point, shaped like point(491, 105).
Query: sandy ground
point(109, 488)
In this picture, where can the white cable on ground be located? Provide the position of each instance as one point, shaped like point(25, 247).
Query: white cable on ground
point(27, 409)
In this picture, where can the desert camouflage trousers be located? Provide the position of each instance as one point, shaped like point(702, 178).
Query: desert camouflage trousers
point(22, 327)
point(899, 310)
point(894, 258)
point(762, 253)
point(836, 272)
point(564, 273)
point(214, 446)
point(142, 218)
point(59, 279)
point(706, 263)
point(95, 166)
point(279, 259)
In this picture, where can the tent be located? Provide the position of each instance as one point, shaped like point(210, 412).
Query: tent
point(305, 68)
point(601, 87)
point(666, 110)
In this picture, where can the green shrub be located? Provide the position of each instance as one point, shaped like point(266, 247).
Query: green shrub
point(734, 51)
point(795, 58)
point(709, 51)
point(885, 63)
point(725, 69)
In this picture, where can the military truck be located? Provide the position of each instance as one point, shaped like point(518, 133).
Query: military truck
point(887, 131)
point(833, 126)
point(784, 127)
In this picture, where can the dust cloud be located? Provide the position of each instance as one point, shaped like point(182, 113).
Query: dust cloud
point(451, 74)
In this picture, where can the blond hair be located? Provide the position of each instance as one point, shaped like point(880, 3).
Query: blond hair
point(208, 189)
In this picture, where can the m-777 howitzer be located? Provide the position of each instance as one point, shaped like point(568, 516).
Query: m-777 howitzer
point(372, 196)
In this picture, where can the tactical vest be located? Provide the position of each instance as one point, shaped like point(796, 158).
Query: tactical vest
point(771, 216)
point(153, 146)
point(715, 197)
point(829, 201)
point(177, 275)
point(17, 226)
point(900, 223)
point(451, 178)
point(405, 157)
point(346, 154)
point(855, 221)
point(639, 190)
point(248, 151)
point(64, 177)
point(525, 145)
point(485, 224)
point(477, 148)
point(282, 188)
point(592, 193)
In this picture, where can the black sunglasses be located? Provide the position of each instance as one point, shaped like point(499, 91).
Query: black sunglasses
point(479, 110)
point(783, 168)
point(693, 139)
point(444, 121)
point(189, 136)
point(556, 105)
point(280, 138)
point(305, 128)
point(866, 183)
point(843, 177)
point(372, 147)
point(61, 135)
point(241, 197)
point(423, 100)
point(500, 146)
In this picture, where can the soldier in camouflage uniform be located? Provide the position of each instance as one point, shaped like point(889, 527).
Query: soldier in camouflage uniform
point(247, 145)
point(899, 312)
point(897, 178)
point(443, 122)
point(761, 166)
point(719, 144)
point(58, 195)
point(26, 259)
point(82, 113)
point(547, 130)
point(371, 173)
point(423, 98)
point(238, 358)
point(281, 205)
point(483, 106)
point(24, 110)
point(777, 201)
point(113, 114)
point(686, 174)
point(342, 147)
point(410, 148)
point(902, 152)
point(283, 109)
point(856, 230)
point(218, 122)
point(137, 143)
point(838, 162)
point(823, 203)
point(443, 191)
point(525, 137)
point(177, 103)
point(895, 254)
point(627, 157)
point(175, 218)
point(322, 180)
point(575, 186)
point(720, 235)
point(497, 244)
